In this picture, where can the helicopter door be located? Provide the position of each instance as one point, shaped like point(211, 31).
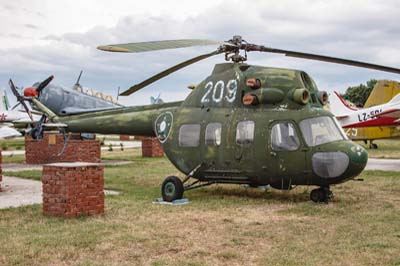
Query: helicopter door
point(287, 156)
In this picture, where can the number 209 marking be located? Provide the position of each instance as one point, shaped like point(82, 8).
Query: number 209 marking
point(218, 91)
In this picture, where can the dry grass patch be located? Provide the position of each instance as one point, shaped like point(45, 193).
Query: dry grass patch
point(222, 225)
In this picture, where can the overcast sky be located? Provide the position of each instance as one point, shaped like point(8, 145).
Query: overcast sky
point(44, 37)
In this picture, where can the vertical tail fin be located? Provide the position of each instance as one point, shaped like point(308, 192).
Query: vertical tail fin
point(4, 104)
point(338, 105)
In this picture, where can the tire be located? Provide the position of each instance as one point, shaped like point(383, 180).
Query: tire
point(317, 195)
point(172, 189)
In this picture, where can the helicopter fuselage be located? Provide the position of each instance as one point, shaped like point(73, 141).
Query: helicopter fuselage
point(282, 144)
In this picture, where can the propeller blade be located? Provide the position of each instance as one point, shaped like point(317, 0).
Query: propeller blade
point(326, 59)
point(15, 106)
point(167, 72)
point(14, 89)
point(155, 45)
point(27, 110)
point(44, 83)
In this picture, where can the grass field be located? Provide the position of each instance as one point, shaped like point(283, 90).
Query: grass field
point(222, 225)
point(388, 149)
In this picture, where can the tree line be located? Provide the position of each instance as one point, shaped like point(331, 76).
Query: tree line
point(359, 94)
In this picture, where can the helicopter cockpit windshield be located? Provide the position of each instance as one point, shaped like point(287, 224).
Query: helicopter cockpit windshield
point(321, 130)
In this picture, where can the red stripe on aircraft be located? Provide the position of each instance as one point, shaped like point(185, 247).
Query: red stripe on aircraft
point(381, 121)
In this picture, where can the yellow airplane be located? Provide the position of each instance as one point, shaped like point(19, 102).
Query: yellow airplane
point(383, 92)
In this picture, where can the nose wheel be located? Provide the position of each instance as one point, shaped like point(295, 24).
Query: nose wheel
point(323, 194)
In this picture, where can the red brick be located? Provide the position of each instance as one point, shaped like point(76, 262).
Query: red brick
point(124, 137)
point(1, 171)
point(77, 150)
point(151, 147)
point(76, 191)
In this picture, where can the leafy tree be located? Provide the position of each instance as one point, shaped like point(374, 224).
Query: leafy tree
point(359, 94)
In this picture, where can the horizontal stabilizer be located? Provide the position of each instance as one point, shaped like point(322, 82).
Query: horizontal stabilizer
point(8, 132)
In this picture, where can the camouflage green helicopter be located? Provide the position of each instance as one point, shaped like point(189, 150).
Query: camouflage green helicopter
point(243, 124)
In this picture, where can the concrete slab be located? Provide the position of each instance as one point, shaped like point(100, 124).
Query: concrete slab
point(17, 192)
point(383, 164)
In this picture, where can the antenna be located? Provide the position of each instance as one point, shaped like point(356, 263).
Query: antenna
point(79, 78)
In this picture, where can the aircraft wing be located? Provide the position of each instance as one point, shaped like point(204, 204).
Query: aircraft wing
point(395, 113)
point(8, 132)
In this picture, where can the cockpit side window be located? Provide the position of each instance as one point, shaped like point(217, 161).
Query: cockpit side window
point(284, 137)
point(320, 130)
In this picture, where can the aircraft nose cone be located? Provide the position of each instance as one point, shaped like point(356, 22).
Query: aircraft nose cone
point(30, 92)
point(358, 159)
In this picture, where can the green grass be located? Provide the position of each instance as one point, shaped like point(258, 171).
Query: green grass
point(388, 149)
point(12, 144)
point(13, 158)
point(222, 225)
point(27, 174)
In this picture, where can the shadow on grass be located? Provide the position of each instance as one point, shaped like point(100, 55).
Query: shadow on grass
point(243, 193)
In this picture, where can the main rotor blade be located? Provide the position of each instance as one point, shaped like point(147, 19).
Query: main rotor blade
point(139, 47)
point(167, 72)
point(44, 83)
point(329, 59)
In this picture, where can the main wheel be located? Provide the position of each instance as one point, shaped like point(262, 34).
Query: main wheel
point(317, 195)
point(172, 189)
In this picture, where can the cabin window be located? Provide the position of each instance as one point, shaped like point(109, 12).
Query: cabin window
point(213, 134)
point(284, 137)
point(245, 132)
point(189, 135)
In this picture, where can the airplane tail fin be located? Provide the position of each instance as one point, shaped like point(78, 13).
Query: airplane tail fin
point(4, 103)
point(338, 105)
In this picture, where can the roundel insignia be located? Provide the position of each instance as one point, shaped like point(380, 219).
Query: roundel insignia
point(163, 126)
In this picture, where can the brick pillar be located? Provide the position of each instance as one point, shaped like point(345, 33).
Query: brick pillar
point(1, 171)
point(139, 138)
point(73, 189)
point(47, 150)
point(151, 147)
point(124, 137)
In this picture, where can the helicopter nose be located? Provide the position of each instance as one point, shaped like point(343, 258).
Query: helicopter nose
point(345, 161)
point(358, 160)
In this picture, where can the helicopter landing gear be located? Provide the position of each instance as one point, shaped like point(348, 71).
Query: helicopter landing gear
point(172, 189)
point(323, 194)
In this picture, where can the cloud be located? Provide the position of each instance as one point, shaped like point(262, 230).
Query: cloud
point(360, 30)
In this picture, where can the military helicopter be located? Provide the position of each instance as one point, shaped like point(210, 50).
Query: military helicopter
point(243, 124)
